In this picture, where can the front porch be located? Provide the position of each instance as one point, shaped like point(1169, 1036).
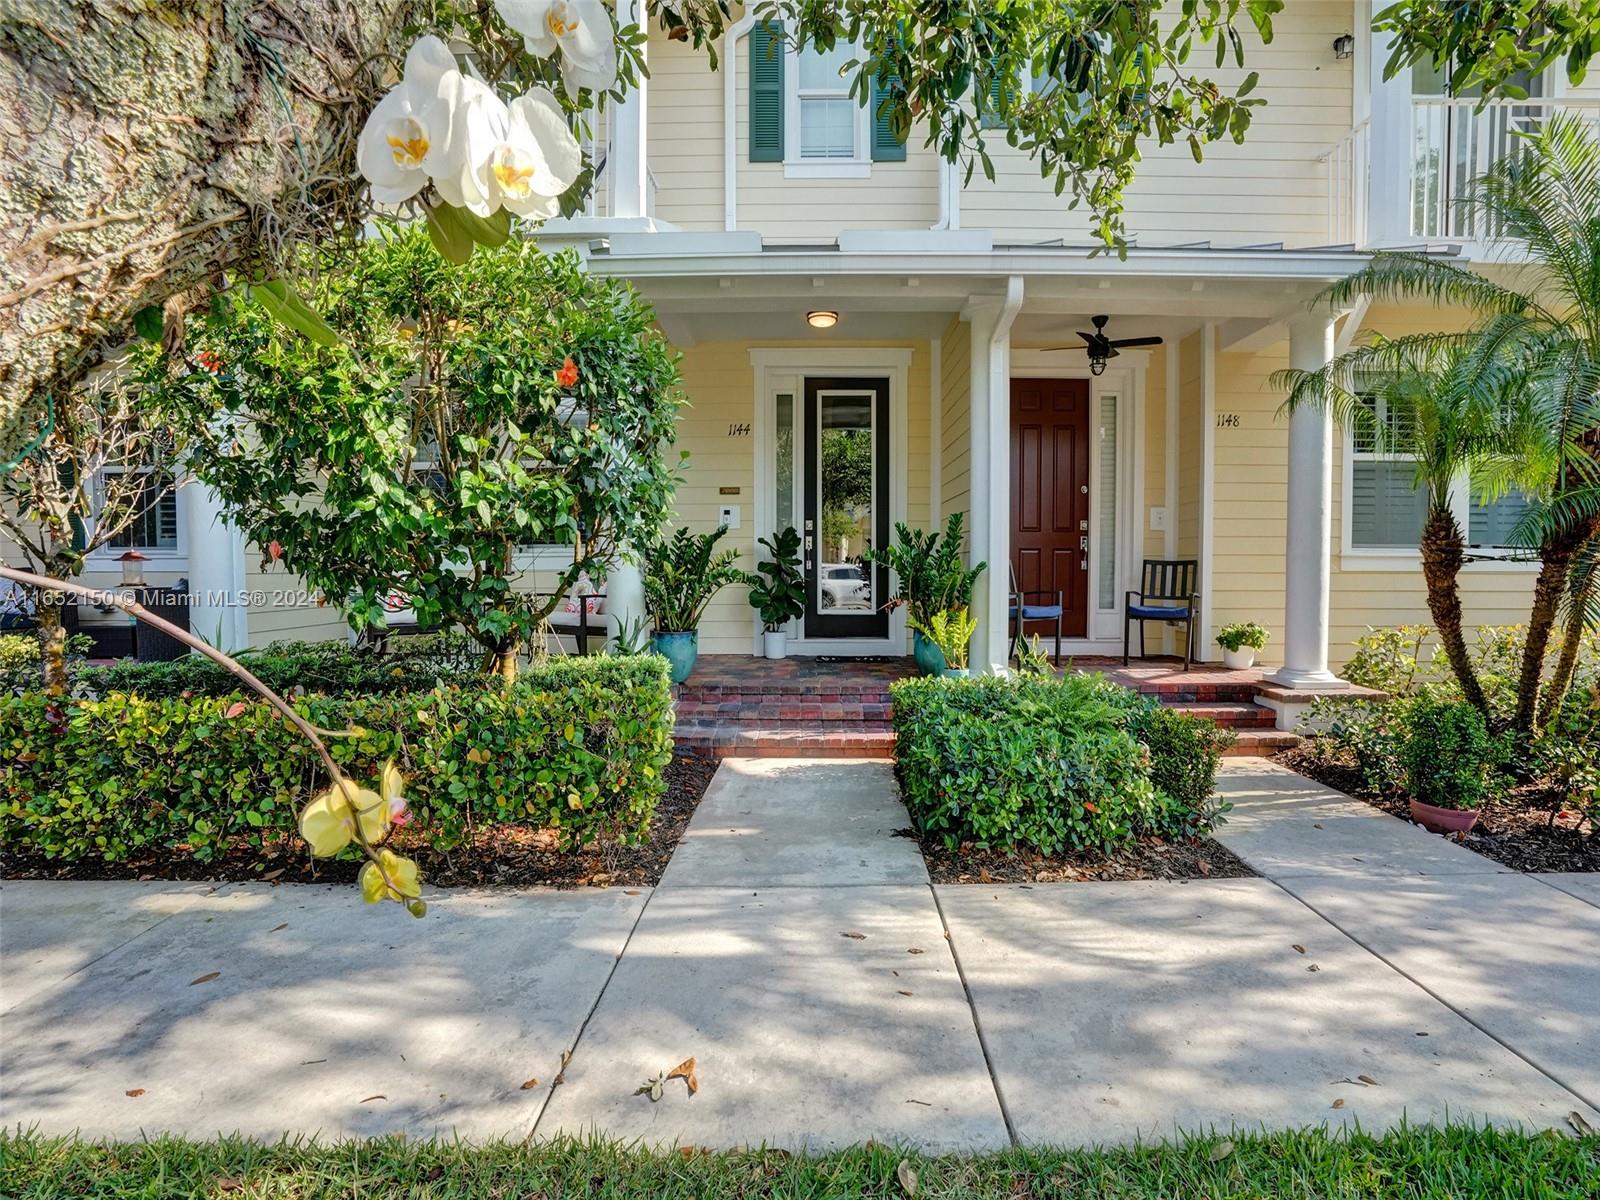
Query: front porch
point(735, 705)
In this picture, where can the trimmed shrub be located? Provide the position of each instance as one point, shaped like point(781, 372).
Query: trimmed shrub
point(1185, 751)
point(576, 745)
point(406, 664)
point(1449, 757)
point(21, 665)
point(1025, 762)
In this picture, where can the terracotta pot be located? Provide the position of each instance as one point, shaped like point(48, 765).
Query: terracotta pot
point(1443, 820)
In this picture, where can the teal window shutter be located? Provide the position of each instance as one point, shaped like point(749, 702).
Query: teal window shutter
point(990, 117)
point(885, 146)
point(766, 93)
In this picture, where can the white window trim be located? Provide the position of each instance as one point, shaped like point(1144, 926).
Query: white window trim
point(794, 166)
point(161, 558)
point(1486, 559)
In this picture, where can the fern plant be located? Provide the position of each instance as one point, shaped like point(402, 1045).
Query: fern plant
point(950, 629)
point(682, 574)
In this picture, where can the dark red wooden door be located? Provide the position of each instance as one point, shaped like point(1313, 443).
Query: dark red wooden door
point(1050, 494)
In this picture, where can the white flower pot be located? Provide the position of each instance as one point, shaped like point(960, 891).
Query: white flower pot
point(772, 644)
point(1241, 659)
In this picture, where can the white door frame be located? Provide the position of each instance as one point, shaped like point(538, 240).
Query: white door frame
point(785, 369)
point(1125, 380)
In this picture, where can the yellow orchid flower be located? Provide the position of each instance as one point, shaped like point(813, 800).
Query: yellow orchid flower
point(392, 877)
point(328, 823)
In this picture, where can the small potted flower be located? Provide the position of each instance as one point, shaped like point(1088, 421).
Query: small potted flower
point(682, 573)
point(778, 592)
point(1240, 644)
point(950, 629)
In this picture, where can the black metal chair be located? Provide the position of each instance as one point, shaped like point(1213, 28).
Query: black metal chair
point(1168, 591)
point(1021, 612)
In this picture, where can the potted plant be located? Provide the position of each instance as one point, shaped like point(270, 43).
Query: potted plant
point(778, 592)
point(1240, 643)
point(682, 573)
point(1451, 764)
point(931, 578)
point(950, 629)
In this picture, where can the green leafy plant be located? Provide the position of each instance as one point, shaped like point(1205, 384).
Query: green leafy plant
point(931, 574)
point(777, 592)
point(1449, 757)
point(1185, 751)
point(1033, 658)
point(682, 575)
point(1241, 634)
point(1028, 762)
point(466, 413)
point(21, 662)
point(577, 746)
point(950, 629)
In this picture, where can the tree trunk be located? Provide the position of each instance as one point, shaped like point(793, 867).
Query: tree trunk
point(151, 146)
point(52, 644)
point(1555, 563)
point(1571, 642)
point(508, 664)
point(1442, 551)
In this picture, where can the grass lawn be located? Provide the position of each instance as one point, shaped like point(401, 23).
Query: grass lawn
point(1456, 1162)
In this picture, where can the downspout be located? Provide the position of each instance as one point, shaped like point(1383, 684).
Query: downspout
point(730, 119)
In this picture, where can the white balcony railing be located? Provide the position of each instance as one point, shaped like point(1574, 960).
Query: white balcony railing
point(1347, 188)
point(1453, 142)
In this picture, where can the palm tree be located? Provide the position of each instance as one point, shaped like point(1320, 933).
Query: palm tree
point(1439, 401)
point(1542, 202)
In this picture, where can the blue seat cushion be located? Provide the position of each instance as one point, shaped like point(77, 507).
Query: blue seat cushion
point(1040, 612)
point(1156, 612)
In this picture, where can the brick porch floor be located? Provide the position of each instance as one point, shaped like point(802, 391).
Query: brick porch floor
point(734, 704)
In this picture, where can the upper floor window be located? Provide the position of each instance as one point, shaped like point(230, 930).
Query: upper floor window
point(828, 116)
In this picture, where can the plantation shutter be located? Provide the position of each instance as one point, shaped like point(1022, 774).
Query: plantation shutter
point(1491, 525)
point(1387, 509)
point(885, 146)
point(990, 117)
point(766, 93)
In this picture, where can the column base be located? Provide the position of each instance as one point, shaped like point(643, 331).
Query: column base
point(1306, 680)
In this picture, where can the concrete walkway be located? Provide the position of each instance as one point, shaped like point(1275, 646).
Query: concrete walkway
point(827, 992)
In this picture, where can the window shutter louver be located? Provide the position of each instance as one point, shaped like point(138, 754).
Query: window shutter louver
point(766, 93)
point(885, 146)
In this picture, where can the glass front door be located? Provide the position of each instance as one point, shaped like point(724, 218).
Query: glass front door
point(846, 424)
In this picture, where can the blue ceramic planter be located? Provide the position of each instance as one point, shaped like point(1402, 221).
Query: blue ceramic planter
point(680, 650)
point(929, 658)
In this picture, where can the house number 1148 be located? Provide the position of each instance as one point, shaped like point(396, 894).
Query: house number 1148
point(1227, 420)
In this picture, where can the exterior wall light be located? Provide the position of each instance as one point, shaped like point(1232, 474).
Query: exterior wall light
point(1344, 46)
point(822, 318)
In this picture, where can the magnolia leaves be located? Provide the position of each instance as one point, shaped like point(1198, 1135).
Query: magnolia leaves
point(655, 1087)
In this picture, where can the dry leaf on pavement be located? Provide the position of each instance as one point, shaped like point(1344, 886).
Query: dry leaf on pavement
point(135, 1092)
point(206, 978)
point(686, 1072)
point(529, 1085)
point(853, 935)
point(1338, 1103)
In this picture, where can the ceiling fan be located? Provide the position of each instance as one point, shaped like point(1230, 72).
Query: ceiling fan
point(1101, 348)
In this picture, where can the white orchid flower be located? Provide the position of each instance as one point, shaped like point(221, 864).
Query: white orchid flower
point(478, 123)
point(536, 162)
point(406, 137)
point(580, 29)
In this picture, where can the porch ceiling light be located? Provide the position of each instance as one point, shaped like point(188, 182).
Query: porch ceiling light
point(822, 318)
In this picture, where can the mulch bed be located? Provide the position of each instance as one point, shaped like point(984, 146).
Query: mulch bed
point(1151, 859)
point(1517, 832)
point(500, 855)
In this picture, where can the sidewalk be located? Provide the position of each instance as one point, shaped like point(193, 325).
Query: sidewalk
point(827, 992)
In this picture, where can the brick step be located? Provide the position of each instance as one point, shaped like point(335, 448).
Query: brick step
point(1261, 742)
point(1196, 693)
point(831, 692)
point(1228, 714)
point(744, 741)
point(835, 725)
point(769, 711)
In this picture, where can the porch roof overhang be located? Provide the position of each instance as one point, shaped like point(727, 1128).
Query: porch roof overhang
point(909, 283)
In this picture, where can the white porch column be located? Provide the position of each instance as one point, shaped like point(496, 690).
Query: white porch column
point(1308, 565)
point(216, 569)
point(989, 540)
point(628, 165)
point(1389, 134)
point(624, 596)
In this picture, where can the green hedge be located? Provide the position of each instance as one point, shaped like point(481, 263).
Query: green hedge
point(578, 745)
point(406, 664)
point(1051, 764)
